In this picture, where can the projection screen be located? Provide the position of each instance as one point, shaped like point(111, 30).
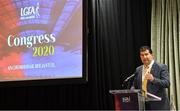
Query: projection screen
point(41, 39)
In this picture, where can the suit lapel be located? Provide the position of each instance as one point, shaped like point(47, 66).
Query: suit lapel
point(140, 77)
point(153, 69)
point(153, 72)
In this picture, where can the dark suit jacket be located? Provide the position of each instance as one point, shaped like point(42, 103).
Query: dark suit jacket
point(156, 87)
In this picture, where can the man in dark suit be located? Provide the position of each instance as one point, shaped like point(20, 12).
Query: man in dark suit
point(157, 79)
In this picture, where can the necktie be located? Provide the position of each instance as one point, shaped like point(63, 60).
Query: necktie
point(144, 83)
point(144, 87)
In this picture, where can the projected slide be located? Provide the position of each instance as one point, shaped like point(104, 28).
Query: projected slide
point(40, 39)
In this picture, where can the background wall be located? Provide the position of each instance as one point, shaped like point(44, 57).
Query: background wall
point(117, 28)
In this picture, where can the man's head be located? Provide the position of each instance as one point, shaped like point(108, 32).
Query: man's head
point(146, 55)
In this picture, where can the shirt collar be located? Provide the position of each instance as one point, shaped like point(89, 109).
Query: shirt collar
point(150, 65)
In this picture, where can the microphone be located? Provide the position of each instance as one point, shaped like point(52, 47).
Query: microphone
point(127, 79)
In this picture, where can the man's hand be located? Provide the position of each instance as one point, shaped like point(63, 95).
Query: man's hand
point(149, 76)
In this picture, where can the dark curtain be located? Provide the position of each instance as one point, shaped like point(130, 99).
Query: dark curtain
point(117, 28)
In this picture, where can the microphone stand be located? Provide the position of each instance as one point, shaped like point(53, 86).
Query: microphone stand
point(127, 80)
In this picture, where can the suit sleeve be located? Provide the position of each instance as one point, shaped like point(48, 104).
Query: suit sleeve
point(163, 81)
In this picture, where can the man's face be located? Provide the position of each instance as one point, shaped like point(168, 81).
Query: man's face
point(146, 57)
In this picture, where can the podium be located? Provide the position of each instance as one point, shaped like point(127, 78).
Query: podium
point(132, 99)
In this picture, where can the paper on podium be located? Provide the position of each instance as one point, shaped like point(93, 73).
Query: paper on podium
point(152, 97)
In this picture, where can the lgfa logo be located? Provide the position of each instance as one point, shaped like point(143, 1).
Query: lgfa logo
point(30, 12)
point(126, 99)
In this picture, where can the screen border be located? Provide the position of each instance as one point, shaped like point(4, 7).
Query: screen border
point(60, 81)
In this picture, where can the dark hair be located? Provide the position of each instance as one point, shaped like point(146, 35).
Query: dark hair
point(144, 48)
